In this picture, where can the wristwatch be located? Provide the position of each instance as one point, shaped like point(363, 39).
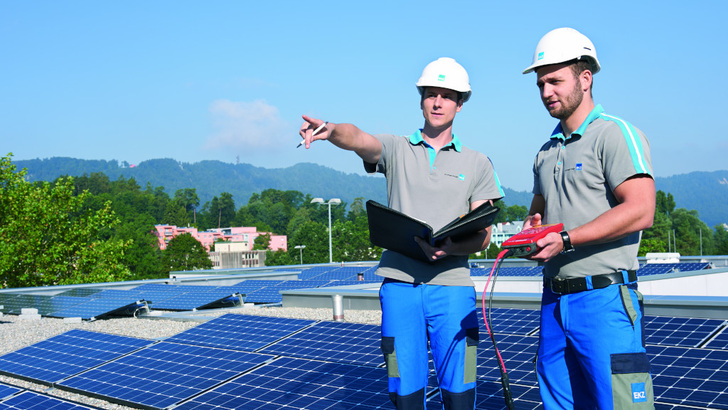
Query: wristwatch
point(567, 241)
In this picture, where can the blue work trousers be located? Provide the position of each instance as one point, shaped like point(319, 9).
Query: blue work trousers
point(591, 351)
point(444, 316)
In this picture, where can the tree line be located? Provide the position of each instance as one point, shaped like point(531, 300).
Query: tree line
point(90, 229)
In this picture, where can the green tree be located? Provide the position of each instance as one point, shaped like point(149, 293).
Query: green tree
point(664, 203)
point(721, 240)
point(184, 252)
point(49, 236)
point(655, 238)
point(316, 238)
point(261, 242)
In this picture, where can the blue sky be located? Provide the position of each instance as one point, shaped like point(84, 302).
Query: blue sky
point(229, 80)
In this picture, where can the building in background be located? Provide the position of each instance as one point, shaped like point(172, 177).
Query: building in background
point(229, 248)
point(245, 235)
point(504, 230)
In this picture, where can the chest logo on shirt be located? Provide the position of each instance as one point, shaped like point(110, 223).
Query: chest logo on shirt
point(458, 176)
point(578, 166)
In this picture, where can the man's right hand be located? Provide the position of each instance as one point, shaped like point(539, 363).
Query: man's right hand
point(309, 125)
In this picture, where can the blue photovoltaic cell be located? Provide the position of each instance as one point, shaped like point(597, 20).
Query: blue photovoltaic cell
point(511, 321)
point(67, 354)
point(289, 383)
point(518, 353)
point(690, 377)
point(678, 331)
point(240, 332)
point(490, 396)
point(163, 374)
point(6, 390)
point(333, 341)
point(28, 400)
point(720, 341)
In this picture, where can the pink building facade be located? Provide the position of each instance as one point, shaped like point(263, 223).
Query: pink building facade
point(245, 235)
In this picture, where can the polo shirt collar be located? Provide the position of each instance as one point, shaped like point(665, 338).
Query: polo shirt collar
point(416, 138)
point(593, 115)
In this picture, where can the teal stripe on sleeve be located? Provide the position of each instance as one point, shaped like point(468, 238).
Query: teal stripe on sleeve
point(634, 143)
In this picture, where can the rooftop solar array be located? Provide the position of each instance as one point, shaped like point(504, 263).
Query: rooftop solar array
point(163, 374)
point(662, 268)
point(644, 270)
point(240, 361)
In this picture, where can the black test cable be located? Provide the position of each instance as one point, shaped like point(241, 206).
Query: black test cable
point(486, 317)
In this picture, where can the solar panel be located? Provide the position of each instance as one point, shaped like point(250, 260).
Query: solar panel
point(96, 308)
point(80, 292)
point(45, 304)
point(240, 332)
point(511, 321)
point(678, 331)
point(690, 377)
point(720, 340)
point(163, 374)
point(353, 343)
point(290, 383)
point(64, 355)
point(6, 390)
point(28, 400)
point(489, 395)
point(200, 299)
point(518, 353)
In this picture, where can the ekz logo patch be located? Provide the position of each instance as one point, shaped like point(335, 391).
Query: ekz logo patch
point(638, 393)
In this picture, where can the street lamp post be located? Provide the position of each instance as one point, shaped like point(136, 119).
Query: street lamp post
point(300, 248)
point(334, 201)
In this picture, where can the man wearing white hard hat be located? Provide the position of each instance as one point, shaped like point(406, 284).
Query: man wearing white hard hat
point(594, 175)
point(432, 177)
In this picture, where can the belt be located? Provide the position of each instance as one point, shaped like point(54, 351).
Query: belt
point(574, 285)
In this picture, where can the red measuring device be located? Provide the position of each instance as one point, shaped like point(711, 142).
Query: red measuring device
point(524, 242)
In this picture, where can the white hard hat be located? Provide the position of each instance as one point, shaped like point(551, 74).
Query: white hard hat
point(445, 72)
point(562, 45)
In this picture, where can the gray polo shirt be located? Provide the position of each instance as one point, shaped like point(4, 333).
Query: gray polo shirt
point(435, 187)
point(577, 177)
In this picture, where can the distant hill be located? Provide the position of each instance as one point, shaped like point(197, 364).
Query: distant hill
point(706, 192)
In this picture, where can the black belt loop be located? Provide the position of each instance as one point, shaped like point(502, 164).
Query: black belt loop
point(565, 286)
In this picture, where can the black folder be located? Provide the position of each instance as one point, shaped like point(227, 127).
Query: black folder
point(393, 230)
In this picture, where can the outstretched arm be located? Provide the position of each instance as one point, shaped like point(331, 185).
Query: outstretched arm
point(344, 136)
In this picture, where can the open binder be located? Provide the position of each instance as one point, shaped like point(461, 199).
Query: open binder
point(393, 230)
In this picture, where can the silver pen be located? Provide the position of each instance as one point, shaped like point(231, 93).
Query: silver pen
point(316, 131)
